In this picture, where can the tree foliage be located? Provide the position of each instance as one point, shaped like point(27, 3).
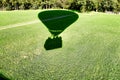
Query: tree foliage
point(79, 5)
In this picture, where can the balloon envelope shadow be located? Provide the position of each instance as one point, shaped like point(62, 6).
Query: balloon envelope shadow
point(2, 77)
point(56, 21)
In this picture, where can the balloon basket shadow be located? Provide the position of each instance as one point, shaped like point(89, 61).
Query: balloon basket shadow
point(53, 43)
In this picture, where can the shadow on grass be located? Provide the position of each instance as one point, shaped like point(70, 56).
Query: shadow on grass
point(2, 77)
point(53, 43)
point(56, 21)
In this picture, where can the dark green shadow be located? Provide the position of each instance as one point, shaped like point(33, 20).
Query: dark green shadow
point(53, 43)
point(2, 77)
point(56, 21)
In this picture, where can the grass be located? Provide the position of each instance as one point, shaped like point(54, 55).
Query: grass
point(90, 51)
point(13, 17)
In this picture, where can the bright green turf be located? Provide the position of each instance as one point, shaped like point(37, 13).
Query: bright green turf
point(91, 49)
point(12, 17)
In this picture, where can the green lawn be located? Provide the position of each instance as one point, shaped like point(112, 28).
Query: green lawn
point(12, 17)
point(90, 51)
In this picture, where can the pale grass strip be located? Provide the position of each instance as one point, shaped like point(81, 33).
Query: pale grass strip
point(19, 24)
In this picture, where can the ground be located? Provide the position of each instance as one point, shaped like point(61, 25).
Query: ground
point(90, 50)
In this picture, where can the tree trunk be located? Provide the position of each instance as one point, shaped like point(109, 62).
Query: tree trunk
point(3, 7)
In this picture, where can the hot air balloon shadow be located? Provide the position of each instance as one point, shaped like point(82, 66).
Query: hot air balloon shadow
point(56, 21)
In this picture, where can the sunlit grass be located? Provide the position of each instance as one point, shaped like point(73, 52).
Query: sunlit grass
point(90, 51)
point(14, 17)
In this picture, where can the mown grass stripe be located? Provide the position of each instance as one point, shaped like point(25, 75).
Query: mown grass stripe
point(18, 25)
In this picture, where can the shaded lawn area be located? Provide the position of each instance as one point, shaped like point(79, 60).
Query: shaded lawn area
point(90, 51)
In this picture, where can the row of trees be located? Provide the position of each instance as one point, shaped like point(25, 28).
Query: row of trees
point(79, 5)
point(96, 5)
point(33, 4)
